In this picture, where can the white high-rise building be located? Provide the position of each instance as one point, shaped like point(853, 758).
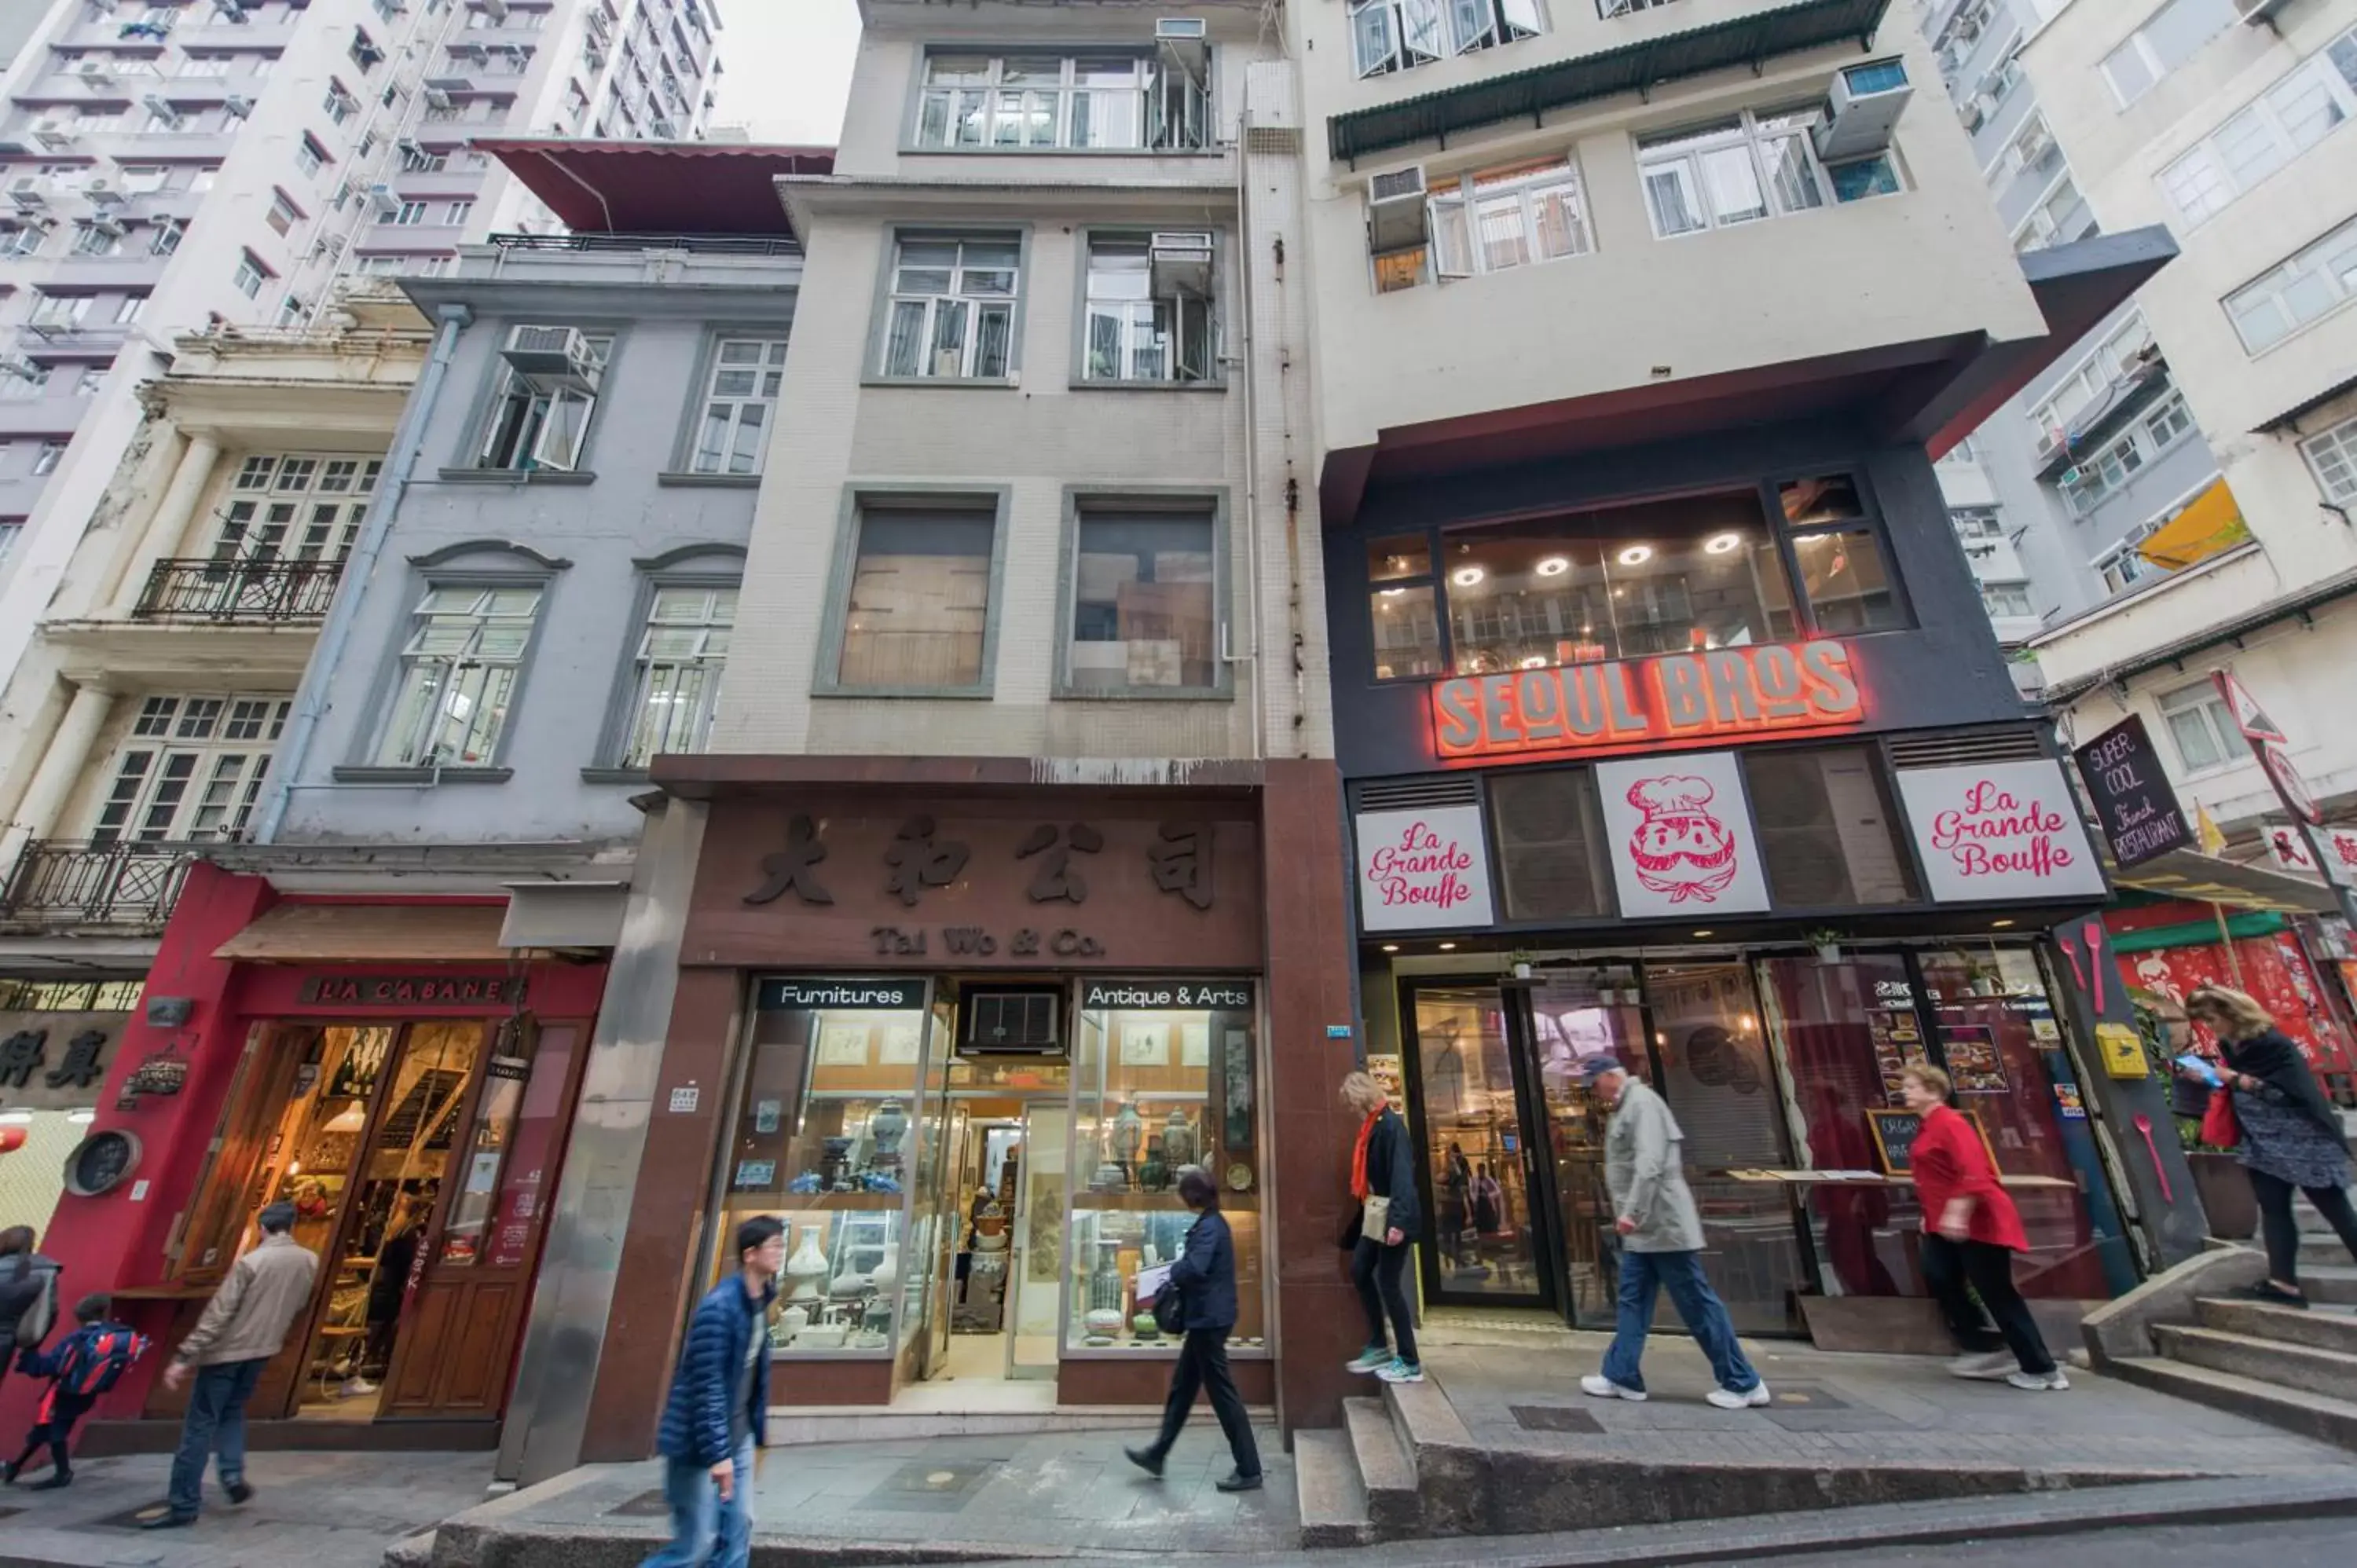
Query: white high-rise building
point(169, 164)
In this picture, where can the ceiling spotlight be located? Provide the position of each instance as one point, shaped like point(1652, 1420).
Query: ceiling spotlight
point(1720, 543)
point(1536, 662)
point(1449, 947)
point(1636, 556)
point(2000, 925)
point(1704, 933)
point(1554, 566)
point(1392, 593)
point(1465, 576)
point(1391, 946)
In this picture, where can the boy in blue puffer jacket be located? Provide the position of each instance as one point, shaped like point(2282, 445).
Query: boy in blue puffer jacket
point(84, 1365)
point(717, 1415)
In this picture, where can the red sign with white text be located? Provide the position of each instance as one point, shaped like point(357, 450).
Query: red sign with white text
point(1708, 694)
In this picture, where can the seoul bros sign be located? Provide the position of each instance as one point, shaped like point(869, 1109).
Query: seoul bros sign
point(1665, 700)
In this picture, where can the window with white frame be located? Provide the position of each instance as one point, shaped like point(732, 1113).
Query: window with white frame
point(2333, 454)
point(456, 213)
point(2010, 600)
point(2203, 730)
point(190, 769)
point(1754, 165)
point(1976, 523)
point(1144, 600)
point(408, 215)
point(1149, 308)
point(2105, 472)
point(50, 452)
point(60, 312)
point(2319, 279)
point(2312, 99)
point(2169, 37)
point(25, 382)
point(10, 529)
point(1013, 103)
point(1496, 219)
point(2124, 565)
point(294, 507)
point(676, 678)
point(284, 214)
point(2031, 153)
point(309, 155)
point(2089, 381)
point(98, 238)
point(460, 666)
point(733, 429)
point(2061, 216)
point(540, 415)
point(249, 275)
point(20, 240)
point(1400, 35)
point(953, 308)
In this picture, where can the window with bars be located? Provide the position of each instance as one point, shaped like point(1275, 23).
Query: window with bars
point(1400, 35)
point(953, 308)
point(288, 506)
point(191, 769)
point(458, 672)
point(2333, 454)
point(738, 401)
point(1111, 100)
point(682, 654)
point(1149, 308)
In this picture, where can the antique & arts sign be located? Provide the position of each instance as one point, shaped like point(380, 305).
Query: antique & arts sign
point(2131, 794)
point(1623, 705)
point(1420, 870)
point(1999, 830)
point(1679, 829)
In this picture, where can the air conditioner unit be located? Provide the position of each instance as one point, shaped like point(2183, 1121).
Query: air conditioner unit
point(1971, 113)
point(111, 227)
point(238, 104)
point(233, 11)
point(94, 72)
point(560, 355)
point(1007, 1020)
point(382, 200)
point(54, 135)
point(330, 245)
point(102, 193)
point(23, 369)
point(1185, 42)
point(663, 129)
point(1395, 215)
point(496, 10)
point(1865, 108)
point(410, 147)
point(436, 99)
point(1181, 263)
point(163, 108)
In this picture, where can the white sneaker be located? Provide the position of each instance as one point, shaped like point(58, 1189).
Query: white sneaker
point(1396, 1370)
point(1603, 1388)
point(1373, 1359)
point(1987, 1366)
point(355, 1387)
point(2038, 1382)
point(1728, 1398)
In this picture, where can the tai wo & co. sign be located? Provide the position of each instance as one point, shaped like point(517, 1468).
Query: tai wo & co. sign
point(1420, 870)
point(2003, 830)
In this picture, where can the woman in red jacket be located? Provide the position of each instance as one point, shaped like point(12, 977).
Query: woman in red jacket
point(1970, 1235)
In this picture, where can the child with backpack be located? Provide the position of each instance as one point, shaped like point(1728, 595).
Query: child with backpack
point(85, 1364)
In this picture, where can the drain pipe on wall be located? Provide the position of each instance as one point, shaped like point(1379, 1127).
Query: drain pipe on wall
point(311, 697)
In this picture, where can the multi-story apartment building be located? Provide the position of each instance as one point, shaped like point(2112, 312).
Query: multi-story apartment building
point(2057, 492)
point(171, 164)
point(2229, 126)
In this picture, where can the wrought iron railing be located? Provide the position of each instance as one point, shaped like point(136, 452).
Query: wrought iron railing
point(633, 244)
point(125, 885)
point(239, 590)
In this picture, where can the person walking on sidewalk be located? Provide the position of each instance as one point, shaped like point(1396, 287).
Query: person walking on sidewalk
point(243, 1327)
point(2291, 1134)
point(1382, 1183)
point(1661, 1243)
point(1971, 1232)
point(1204, 1275)
point(86, 1363)
point(28, 1295)
point(717, 1414)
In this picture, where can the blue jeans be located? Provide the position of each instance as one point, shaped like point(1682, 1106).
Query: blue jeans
point(215, 1423)
point(705, 1532)
point(1642, 1275)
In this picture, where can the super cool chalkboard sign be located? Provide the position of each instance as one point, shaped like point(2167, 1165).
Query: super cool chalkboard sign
point(1895, 1132)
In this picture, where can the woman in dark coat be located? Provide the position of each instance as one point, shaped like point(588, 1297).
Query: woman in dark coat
point(2291, 1134)
point(1383, 1166)
point(1205, 1278)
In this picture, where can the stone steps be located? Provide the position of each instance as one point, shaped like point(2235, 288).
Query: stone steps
point(2322, 1327)
point(2336, 1284)
point(2302, 1411)
point(1386, 1467)
point(1333, 1498)
point(2330, 1372)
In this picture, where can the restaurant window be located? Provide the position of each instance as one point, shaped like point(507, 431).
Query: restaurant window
point(2205, 733)
point(1144, 602)
point(1621, 582)
point(1839, 549)
point(1401, 602)
point(1158, 1089)
point(1829, 829)
point(917, 613)
point(1549, 844)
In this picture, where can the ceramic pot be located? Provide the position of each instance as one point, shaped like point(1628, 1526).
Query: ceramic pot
point(1128, 1134)
point(806, 1267)
point(885, 1130)
point(790, 1323)
point(1179, 1149)
point(886, 1273)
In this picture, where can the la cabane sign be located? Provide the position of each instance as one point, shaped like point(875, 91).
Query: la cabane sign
point(1670, 698)
point(2004, 829)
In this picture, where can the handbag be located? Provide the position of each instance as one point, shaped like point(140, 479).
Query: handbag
point(1170, 1310)
point(2219, 1129)
point(1376, 1217)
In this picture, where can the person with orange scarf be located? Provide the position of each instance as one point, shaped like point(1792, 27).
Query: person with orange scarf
point(1381, 1166)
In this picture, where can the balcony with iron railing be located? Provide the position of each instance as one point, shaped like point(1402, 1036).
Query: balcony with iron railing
point(121, 884)
point(239, 592)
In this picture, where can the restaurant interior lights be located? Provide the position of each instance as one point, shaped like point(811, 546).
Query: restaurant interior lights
point(1465, 576)
point(1636, 556)
point(1554, 566)
point(1720, 543)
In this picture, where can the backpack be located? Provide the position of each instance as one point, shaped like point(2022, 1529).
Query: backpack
point(104, 1358)
point(39, 1313)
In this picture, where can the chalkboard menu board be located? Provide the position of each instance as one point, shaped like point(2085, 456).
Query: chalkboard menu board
point(1895, 1132)
point(2131, 794)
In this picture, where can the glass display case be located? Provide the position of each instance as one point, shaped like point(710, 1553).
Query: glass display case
point(1164, 1077)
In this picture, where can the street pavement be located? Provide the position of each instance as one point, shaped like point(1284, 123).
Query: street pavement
point(2298, 1543)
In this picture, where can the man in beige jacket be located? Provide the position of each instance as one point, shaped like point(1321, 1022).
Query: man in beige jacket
point(243, 1327)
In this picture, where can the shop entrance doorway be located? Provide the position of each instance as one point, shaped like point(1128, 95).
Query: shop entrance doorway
point(994, 1311)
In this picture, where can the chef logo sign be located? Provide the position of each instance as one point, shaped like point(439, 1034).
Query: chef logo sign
point(1648, 703)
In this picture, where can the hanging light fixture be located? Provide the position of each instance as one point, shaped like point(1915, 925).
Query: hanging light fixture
point(350, 1119)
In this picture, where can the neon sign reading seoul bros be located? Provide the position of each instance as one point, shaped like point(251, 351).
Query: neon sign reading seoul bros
point(1672, 697)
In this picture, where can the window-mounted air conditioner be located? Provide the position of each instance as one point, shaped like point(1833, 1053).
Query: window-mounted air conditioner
point(382, 201)
point(330, 245)
point(161, 107)
point(23, 369)
point(1971, 113)
point(102, 193)
point(436, 99)
point(1007, 1020)
point(94, 72)
point(237, 105)
point(496, 10)
point(1181, 263)
point(54, 135)
point(1395, 213)
point(232, 12)
point(109, 226)
point(1865, 109)
point(553, 356)
point(1185, 42)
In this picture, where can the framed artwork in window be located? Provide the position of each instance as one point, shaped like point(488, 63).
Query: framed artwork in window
point(1144, 1044)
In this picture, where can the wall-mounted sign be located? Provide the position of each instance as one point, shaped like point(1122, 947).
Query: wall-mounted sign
point(101, 1163)
point(2131, 793)
point(2271, 745)
point(1422, 870)
point(56, 1061)
point(887, 995)
point(2291, 850)
point(1166, 994)
point(1679, 829)
point(1999, 830)
point(1624, 703)
point(426, 989)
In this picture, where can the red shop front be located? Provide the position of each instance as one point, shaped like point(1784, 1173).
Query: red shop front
point(406, 1083)
point(2171, 948)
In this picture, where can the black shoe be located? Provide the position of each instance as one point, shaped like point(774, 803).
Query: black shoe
point(168, 1520)
point(239, 1492)
point(53, 1481)
point(1144, 1459)
point(2265, 1291)
point(1239, 1483)
point(8, 1472)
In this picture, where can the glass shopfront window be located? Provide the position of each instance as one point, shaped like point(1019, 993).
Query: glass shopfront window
point(1164, 1077)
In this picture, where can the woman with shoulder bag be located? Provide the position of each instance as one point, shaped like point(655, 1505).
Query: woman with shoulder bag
point(1203, 1279)
point(1383, 1180)
point(2290, 1136)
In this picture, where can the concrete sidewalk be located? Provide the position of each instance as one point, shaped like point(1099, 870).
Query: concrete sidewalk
point(309, 1510)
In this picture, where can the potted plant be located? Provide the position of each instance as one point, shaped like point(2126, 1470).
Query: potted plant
point(1520, 959)
point(1827, 941)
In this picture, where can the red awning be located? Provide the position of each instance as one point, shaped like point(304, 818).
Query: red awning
point(658, 187)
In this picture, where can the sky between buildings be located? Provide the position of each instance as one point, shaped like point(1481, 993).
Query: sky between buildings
point(789, 68)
